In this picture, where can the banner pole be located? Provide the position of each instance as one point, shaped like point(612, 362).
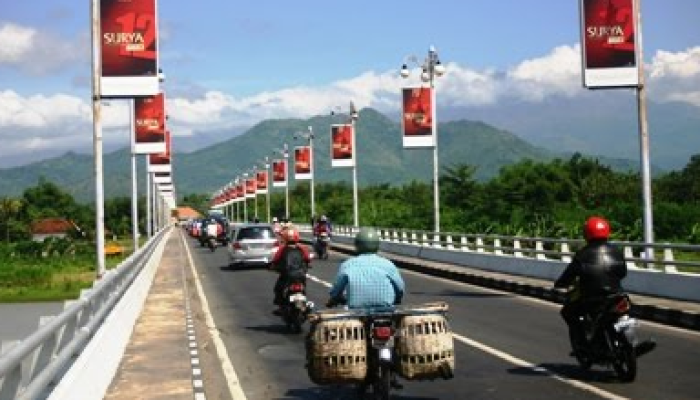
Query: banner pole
point(97, 138)
point(134, 180)
point(644, 141)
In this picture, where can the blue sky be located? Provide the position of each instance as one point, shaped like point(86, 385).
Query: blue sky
point(230, 64)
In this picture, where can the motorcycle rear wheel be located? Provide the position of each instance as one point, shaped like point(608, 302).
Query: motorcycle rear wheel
point(382, 383)
point(624, 360)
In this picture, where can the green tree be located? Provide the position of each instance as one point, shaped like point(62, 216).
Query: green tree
point(9, 210)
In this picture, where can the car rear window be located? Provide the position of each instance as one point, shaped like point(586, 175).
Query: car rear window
point(257, 232)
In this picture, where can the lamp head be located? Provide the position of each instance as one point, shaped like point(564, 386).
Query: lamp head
point(439, 68)
point(404, 71)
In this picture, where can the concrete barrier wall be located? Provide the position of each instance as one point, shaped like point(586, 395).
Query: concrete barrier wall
point(91, 374)
point(671, 285)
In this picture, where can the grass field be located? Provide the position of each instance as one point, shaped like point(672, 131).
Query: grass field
point(50, 278)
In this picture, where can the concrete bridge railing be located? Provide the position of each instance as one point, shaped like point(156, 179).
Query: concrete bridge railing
point(36, 366)
point(543, 258)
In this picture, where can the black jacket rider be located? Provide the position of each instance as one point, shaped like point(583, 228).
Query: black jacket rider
point(599, 267)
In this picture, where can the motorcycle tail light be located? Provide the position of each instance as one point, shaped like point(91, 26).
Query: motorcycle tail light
point(296, 287)
point(622, 306)
point(382, 332)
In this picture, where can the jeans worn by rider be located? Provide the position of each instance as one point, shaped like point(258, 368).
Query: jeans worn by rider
point(291, 267)
point(368, 281)
point(597, 269)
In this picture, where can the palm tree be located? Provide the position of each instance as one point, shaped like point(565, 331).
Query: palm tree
point(9, 208)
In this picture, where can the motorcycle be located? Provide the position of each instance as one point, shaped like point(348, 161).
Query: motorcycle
point(322, 243)
point(211, 243)
point(611, 338)
point(295, 307)
point(380, 363)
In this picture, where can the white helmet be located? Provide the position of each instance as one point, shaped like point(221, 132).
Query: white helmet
point(274, 219)
point(324, 218)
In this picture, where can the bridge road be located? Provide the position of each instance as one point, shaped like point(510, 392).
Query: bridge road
point(507, 346)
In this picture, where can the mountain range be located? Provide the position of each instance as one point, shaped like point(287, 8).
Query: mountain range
point(381, 157)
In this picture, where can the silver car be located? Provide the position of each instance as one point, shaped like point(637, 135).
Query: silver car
point(252, 244)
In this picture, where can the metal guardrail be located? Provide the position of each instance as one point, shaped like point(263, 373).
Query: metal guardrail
point(535, 247)
point(31, 367)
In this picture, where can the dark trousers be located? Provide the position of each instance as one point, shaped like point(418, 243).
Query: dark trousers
point(572, 313)
point(282, 281)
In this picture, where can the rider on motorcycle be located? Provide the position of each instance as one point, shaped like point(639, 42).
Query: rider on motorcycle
point(596, 270)
point(292, 260)
point(322, 226)
point(368, 279)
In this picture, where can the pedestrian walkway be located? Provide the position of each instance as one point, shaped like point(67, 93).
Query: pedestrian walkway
point(156, 363)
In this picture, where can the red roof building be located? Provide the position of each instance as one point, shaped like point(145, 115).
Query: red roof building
point(51, 227)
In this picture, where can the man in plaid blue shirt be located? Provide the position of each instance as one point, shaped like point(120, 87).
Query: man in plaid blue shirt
point(368, 279)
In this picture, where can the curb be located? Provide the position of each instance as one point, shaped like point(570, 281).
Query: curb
point(664, 315)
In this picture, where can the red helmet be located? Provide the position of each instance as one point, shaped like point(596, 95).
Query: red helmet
point(596, 228)
point(291, 235)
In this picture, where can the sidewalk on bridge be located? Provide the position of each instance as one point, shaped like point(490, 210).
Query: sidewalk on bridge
point(156, 363)
point(679, 313)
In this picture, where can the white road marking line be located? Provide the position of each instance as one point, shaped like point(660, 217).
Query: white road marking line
point(519, 362)
point(234, 385)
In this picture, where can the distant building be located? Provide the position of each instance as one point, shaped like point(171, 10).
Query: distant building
point(187, 213)
point(52, 227)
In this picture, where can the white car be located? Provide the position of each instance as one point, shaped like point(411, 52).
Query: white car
point(252, 244)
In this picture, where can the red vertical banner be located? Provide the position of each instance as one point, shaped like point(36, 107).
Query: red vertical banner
point(149, 124)
point(261, 177)
point(279, 173)
point(160, 162)
point(342, 152)
point(609, 43)
point(418, 125)
point(129, 48)
point(302, 163)
point(250, 187)
point(240, 191)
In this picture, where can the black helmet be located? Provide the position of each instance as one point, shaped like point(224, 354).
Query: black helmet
point(366, 241)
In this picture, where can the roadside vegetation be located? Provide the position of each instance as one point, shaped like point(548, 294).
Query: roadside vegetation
point(529, 198)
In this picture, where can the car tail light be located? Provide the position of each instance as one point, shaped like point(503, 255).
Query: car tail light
point(381, 332)
point(622, 306)
point(236, 245)
point(296, 287)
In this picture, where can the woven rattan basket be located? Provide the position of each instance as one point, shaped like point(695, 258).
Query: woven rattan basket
point(425, 347)
point(336, 351)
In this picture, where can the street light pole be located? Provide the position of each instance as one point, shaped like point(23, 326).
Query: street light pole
point(355, 198)
point(353, 116)
point(431, 68)
point(97, 138)
point(309, 136)
point(269, 187)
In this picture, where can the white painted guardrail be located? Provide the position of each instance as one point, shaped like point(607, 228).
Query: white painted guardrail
point(543, 258)
point(36, 366)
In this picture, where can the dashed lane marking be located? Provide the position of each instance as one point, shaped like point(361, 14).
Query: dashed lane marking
point(234, 385)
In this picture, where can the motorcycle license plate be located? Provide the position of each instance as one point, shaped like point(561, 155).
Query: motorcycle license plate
point(297, 297)
point(625, 323)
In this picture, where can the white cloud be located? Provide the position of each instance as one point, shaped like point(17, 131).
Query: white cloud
point(15, 42)
point(37, 52)
point(46, 123)
point(675, 76)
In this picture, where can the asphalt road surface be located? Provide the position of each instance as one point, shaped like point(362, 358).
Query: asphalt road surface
point(507, 346)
